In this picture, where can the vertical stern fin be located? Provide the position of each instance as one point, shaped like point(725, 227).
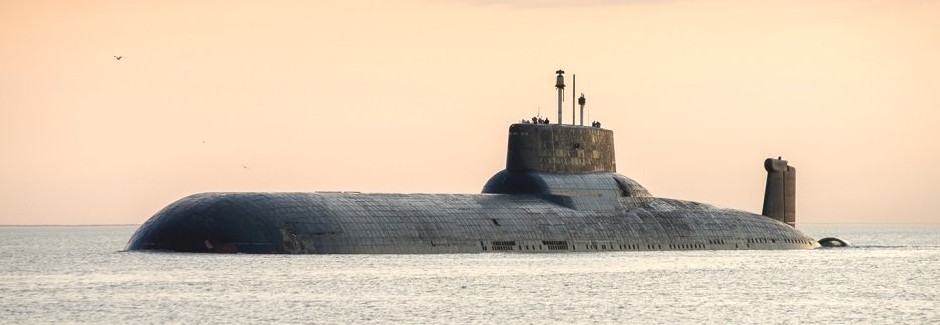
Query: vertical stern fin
point(780, 194)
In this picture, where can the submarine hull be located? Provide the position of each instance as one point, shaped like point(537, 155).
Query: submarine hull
point(559, 192)
point(571, 212)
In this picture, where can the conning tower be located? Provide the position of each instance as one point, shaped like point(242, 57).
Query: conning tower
point(570, 165)
point(573, 165)
point(560, 149)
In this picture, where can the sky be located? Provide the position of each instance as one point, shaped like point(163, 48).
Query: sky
point(416, 96)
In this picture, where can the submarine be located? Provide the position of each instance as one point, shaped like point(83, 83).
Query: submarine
point(559, 192)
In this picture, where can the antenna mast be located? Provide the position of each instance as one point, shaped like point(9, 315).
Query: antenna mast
point(560, 84)
point(581, 102)
point(574, 86)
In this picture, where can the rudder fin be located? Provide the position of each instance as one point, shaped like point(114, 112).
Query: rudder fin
point(780, 194)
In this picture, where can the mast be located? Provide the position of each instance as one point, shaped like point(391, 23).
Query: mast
point(560, 85)
point(574, 87)
point(581, 102)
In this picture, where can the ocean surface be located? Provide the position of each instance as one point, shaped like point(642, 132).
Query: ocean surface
point(81, 275)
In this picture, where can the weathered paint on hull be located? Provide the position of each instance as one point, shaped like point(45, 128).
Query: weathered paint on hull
point(559, 193)
point(352, 223)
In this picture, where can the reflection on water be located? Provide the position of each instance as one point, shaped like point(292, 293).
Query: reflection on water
point(79, 275)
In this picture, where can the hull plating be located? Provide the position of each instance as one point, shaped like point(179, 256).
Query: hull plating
point(617, 216)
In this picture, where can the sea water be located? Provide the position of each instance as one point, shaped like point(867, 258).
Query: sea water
point(81, 275)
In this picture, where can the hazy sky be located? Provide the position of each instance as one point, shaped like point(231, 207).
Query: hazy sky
point(416, 96)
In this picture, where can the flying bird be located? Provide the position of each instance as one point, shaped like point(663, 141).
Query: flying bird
point(118, 57)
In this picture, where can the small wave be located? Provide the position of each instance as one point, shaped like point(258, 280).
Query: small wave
point(890, 246)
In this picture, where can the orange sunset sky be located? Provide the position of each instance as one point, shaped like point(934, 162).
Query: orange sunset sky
point(416, 96)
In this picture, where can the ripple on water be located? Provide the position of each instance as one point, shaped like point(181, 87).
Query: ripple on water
point(81, 277)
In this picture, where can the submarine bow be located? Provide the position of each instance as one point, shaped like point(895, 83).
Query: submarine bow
point(214, 222)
